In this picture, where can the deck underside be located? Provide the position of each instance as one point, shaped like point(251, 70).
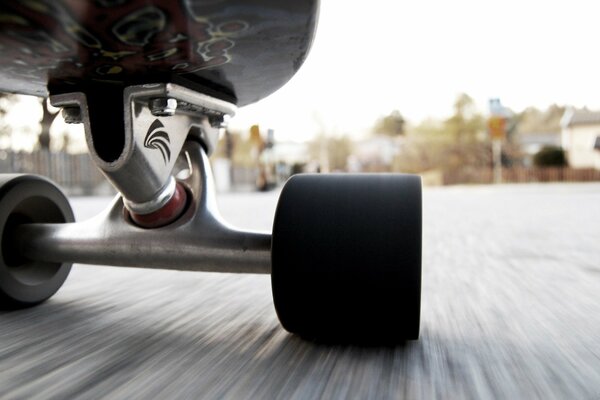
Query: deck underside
point(236, 50)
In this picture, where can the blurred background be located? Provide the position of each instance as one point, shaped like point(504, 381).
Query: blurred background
point(506, 92)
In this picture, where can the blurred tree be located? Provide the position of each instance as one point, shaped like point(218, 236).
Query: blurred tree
point(391, 125)
point(49, 114)
point(466, 123)
point(455, 143)
point(332, 151)
point(550, 156)
point(425, 148)
point(6, 102)
point(532, 120)
point(465, 127)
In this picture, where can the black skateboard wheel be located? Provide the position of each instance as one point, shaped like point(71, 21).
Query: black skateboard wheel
point(346, 257)
point(28, 199)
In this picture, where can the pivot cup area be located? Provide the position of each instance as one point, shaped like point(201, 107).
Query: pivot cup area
point(166, 214)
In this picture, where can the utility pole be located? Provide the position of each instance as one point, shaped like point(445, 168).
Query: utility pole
point(497, 159)
point(497, 131)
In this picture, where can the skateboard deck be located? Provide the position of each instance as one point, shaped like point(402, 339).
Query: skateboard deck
point(236, 50)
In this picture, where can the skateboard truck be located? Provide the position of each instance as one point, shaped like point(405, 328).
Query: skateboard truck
point(344, 255)
point(137, 150)
point(163, 124)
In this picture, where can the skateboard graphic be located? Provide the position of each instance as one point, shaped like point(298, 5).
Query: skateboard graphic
point(153, 82)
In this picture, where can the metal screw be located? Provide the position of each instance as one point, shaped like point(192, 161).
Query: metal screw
point(217, 121)
point(162, 106)
point(72, 115)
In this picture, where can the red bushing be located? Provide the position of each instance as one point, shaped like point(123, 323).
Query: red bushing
point(167, 214)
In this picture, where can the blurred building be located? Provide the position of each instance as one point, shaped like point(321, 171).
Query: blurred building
point(286, 159)
point(290, 153)
point(375, 153)
point(580, 137)
point(531, 143)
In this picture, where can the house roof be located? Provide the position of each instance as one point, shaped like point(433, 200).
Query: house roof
point(580, 117)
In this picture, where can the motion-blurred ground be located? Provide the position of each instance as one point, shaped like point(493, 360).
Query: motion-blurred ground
point(511, 310)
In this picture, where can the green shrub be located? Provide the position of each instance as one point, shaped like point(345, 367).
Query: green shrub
point(550, 156)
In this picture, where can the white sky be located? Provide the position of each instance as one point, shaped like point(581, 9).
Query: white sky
point(370, 58)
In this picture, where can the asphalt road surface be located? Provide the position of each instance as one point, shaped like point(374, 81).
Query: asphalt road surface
point(511, 310)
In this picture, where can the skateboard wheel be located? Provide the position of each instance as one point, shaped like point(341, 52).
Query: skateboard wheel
point(28, 199)
point(346, 257)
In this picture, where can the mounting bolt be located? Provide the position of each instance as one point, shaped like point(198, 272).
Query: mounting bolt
point(217, 121)
point(72, 115)
point(162, 106)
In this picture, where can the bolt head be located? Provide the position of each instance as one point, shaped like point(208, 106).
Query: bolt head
point(217, 121)
point(72, 115)
point(162, 106)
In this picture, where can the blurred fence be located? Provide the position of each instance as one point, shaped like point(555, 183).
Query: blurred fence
point(521, 175)
point(75, 173)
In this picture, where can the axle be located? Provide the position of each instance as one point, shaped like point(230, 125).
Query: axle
point(198, 241)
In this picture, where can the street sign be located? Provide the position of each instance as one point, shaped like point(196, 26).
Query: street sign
point(497, 127)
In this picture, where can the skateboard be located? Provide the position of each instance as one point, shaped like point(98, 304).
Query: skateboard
point(154, 82)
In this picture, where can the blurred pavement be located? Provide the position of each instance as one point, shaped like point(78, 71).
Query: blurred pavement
point(511, 310)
